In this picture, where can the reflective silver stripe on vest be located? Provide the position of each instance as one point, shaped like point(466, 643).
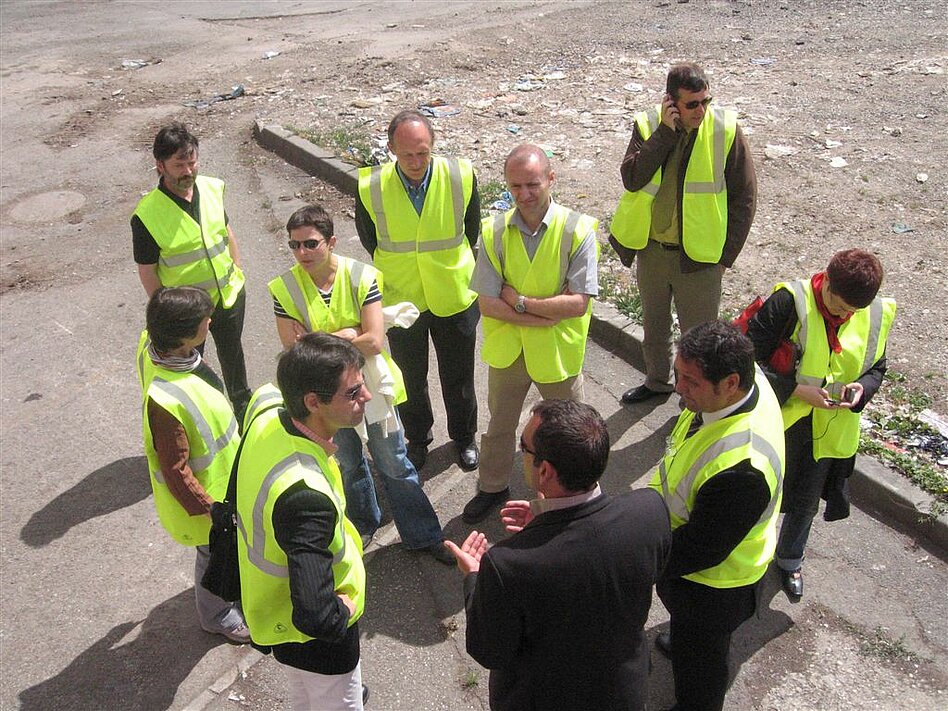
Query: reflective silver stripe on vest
point(296, 295)
point(195, 255)
point(736, 440)
point(212, 445)
point(651, 188)
point(875, 330)
point(209, 284)
point(141, 360)
point(255, 553)
point(262, 402)
point(718, 158)
point(381, 223)
point(500, 226)
point(355, 278)
point(800, 304)
point(566, 242)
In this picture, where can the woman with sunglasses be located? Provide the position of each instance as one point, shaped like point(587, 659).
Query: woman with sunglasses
point(337, 295)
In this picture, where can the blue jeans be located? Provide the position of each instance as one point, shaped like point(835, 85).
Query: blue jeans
point(414, 516)
point(791, 544)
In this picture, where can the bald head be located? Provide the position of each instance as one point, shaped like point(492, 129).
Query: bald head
point(527, 153)
point(529, 178)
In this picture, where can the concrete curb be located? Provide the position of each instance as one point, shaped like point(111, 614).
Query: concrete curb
point(873, 484)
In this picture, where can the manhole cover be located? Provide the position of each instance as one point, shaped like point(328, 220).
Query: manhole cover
point(47, 206)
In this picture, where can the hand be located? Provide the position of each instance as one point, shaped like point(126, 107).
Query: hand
point(347, 333)
point(853, 394)
point(299, 330)
point(515, 515)
point(347, 601)
point(509, 295)
point(671, 117)
point(470, 553)
point(815, 396)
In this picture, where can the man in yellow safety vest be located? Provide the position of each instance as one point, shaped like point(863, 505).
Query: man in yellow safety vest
point(419, 219)
point(690, 198)
point(536, 277)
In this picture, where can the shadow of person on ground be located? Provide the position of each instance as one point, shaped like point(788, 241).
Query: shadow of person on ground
point(110, 488)
point(628, 465)
point(399, 586)
point(141, 673)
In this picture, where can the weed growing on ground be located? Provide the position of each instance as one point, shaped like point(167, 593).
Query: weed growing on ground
point(617, 285)
point(490, 192)
point(351, 143)
point(881, 646)
point(470, 679)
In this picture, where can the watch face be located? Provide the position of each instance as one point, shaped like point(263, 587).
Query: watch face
point(520, 307)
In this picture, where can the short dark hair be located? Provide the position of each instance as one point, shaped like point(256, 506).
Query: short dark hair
point(174, 314)
point(720, 350)
point(314, 216)
point(408, 116)
point(855, 276)
point(573, 438)
point(172, 139)
point(314, 364)
point(688, 76)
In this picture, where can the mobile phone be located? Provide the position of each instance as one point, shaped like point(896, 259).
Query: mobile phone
point(848, 395)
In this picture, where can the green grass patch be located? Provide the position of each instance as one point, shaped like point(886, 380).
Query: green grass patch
point(350, 143)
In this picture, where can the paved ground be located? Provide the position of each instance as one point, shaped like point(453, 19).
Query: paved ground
point(97, 608)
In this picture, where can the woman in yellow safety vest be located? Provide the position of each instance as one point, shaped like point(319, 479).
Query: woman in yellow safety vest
point(838, 328)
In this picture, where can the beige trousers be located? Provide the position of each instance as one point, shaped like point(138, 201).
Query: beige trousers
point(507, 389)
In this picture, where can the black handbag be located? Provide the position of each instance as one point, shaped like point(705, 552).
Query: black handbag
point(222, 575)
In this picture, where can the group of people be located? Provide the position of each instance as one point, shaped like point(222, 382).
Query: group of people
point(769, 419)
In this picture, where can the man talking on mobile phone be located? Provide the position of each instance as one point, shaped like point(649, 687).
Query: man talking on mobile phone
point(690, 198)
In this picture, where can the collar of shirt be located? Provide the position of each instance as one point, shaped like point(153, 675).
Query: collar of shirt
point(539, 506)
point(416, 193)
point(710, 417)
point(518, 222)
point(326, 444)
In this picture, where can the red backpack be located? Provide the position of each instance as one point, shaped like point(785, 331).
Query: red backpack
point(783, 361)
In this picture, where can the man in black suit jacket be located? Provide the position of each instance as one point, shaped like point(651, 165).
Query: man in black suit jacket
point(557, 611)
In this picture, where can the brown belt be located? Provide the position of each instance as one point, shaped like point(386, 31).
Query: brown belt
point(666, 246)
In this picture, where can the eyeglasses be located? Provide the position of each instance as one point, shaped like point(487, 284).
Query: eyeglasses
point(524, 448)
point(308, 243)
point(353, 392)
point(692, 105)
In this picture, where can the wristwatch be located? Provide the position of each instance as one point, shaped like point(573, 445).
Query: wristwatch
point(521, 307)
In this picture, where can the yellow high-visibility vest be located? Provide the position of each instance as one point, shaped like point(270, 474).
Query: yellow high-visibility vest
point(690, 462)
point(426, 258)
point(551, 354)
point(193, 254)
point(271, 462)
point(704, 200)
point(208, 420)
point(863, 339)
point(301, 300)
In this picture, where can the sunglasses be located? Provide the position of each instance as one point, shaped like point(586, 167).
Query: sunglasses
point(351, 393)
point(692, 105)
point(308, 243)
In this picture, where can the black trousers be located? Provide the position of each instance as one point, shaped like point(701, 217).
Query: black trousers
point(227, 325)
point(454, 338)
point(702, 621)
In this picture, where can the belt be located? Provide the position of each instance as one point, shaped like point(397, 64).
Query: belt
point(666, 246)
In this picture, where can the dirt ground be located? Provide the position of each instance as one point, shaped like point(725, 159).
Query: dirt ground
point(816, 84)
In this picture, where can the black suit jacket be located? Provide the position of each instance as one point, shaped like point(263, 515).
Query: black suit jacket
point(557, 611)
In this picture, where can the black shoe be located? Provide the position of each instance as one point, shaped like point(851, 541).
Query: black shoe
point(792, 582)
point(663, 643)
point(468, 456)
point(640, 394)
point(439, 553)
point(417, 455)
point(478, 507)
point(365, 694)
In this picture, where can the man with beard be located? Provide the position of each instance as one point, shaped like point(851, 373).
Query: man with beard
point(180, 237)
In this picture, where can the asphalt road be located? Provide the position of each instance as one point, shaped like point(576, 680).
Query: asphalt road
point(97, 609)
